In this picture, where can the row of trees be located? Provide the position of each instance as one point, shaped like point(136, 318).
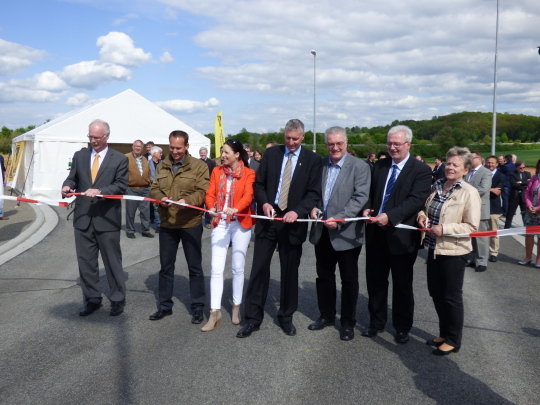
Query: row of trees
point(431, 137)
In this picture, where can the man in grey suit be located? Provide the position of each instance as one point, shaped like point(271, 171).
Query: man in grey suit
point(98, 170)
point(480, 178)
point(345, 189)
point(253, 164)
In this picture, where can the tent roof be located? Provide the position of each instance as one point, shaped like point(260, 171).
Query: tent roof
point(129, 115)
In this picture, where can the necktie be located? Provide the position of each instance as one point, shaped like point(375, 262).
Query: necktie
point(472, 174)
point(95, 167)
point(285, 184)
point(389, 187)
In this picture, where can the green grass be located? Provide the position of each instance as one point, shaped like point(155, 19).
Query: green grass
point(529, 156)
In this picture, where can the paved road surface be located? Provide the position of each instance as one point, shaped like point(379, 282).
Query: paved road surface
point(50, 355)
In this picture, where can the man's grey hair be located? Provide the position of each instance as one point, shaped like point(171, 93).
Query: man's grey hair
point(335, 130)
point(402, 128)
point(464, 153)
point(138, 140)
point(155, 149)
point(294, 125)
point(106, 126)
point(246, 146)
point(203, 148)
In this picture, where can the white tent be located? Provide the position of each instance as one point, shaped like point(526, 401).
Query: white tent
point(46, 151)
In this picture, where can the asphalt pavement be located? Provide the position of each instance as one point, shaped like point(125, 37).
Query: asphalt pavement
point(50, 355)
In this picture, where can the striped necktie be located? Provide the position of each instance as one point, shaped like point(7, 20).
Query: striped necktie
point(285, 184)
point(389, 187)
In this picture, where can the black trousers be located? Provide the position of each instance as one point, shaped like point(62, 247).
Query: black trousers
point(379, 264)
point(513, 203)
point(327, 258)
point(169, 239)
point(259, 280)
point(445, 285)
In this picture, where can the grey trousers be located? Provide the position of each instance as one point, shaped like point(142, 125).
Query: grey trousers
point(143, 206)
point(88, 244)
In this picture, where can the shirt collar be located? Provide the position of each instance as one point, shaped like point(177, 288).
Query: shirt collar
point(340, 163)
point(296, 152)
point(401, 164)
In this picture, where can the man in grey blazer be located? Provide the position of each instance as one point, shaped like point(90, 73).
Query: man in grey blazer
point(345, 189)
point(98, 170)
point(480, 178)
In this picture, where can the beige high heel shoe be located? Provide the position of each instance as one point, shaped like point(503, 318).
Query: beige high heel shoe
point(213, 321)
point(235, 319)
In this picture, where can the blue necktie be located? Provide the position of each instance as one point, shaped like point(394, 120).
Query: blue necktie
point(389, 187)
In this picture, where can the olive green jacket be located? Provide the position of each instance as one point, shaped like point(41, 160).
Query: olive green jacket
point(189, 183)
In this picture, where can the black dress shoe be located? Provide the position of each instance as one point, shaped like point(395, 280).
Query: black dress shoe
point(247, 330)
point(321, 323)
point(480, 269)
point(492, 259)
point(434, 343)
point(439, 352)
point(347, 333)
point(402, 337)
point(89, 309)
point(198, 316)
point(130, 235)
point(162, 313)
point(117, 307)
point(147, 235)
point(470, 264)
point(287, 327)
point(370, 332)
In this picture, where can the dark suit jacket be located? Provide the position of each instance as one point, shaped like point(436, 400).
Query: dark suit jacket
point(495, 205)
point(253, 164)
point(304, 193)
point(211, 164)
point(407, 198)
point(438, 172)
point(518, 189)
point(507, 169)
point(112, 178)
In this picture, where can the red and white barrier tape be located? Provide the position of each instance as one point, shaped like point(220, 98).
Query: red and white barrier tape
point(35, 201)
point(524, 230)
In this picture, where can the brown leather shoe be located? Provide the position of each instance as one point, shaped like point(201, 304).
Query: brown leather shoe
point(4, 218)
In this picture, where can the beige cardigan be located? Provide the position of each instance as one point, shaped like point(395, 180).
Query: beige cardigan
point(459, 214)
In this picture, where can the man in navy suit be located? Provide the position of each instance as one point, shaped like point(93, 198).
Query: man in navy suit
point(288, 184)
point(495, 206)
point(399, 189)
point(438, 170)
point(98, 170)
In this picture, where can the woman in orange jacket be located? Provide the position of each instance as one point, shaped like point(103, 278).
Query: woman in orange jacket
point(230, 192)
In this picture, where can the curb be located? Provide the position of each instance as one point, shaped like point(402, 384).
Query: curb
point(46, 221)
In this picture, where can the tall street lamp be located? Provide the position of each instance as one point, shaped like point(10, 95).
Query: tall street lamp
point(314, 100)
point(494, 120)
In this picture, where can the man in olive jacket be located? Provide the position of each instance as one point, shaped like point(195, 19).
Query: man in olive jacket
point(184, 179)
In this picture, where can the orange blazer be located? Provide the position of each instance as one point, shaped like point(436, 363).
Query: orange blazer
point(243, 194)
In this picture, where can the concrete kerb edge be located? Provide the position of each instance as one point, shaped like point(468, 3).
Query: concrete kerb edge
point(46, 221)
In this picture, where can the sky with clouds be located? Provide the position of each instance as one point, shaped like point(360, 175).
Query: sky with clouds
point(376, 61)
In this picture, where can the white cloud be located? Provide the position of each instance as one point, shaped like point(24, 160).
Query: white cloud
point(187, 106)
point(78, 99)
point(14, 58)
point(48, 81)
point(10, 93)
point(91, 74)
point(119, 48)
point(125, 18)
point(166, 58)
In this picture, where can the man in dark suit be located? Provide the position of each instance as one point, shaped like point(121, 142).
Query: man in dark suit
point(288, 184)
point(371, 160)
point(519, 180)
point(98, 170)
point(438, 170)
point(495, 205)
point(506, 170)
point(480, 178)
point(399, 189)
point(345, 184)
